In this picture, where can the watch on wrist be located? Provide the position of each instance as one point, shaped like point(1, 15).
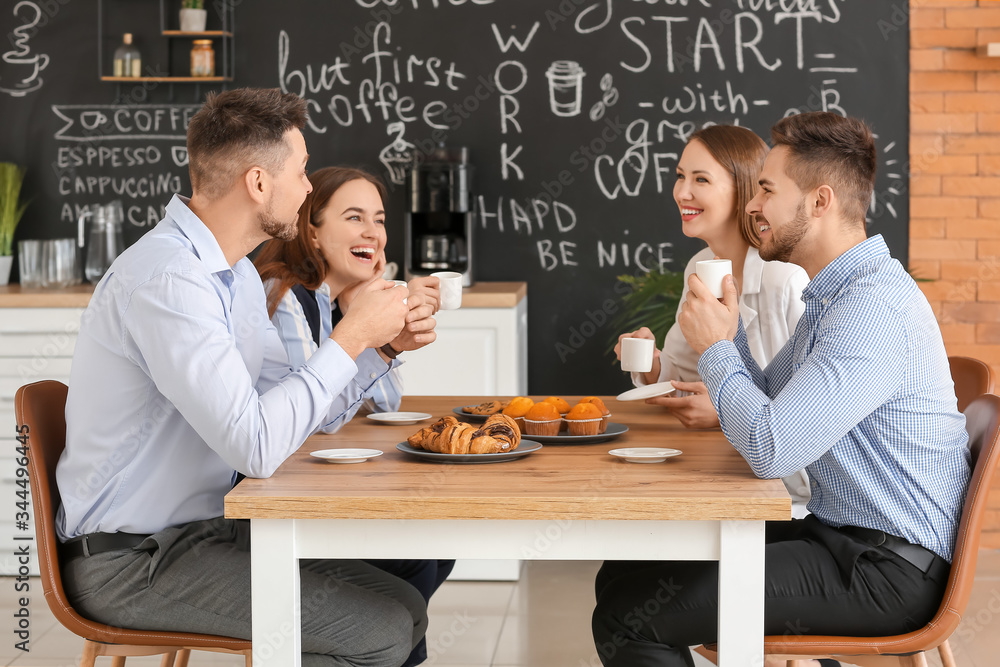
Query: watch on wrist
point(388, 351)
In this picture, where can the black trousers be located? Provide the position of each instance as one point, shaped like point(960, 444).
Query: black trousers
point(818, 580)
point(424, 575)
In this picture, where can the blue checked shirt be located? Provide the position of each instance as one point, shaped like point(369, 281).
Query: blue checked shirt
point(861, 396)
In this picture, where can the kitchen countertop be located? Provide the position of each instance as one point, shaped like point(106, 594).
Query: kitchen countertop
point(480, 295)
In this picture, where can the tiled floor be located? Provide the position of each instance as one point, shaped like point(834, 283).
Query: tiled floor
point(543, 620)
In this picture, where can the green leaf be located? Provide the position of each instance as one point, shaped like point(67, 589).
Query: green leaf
point(11, 209)
point(651, 303)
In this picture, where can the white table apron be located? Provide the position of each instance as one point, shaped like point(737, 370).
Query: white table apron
point(277, 544)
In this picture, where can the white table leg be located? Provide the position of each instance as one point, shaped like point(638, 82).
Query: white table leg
point(741, 594)
point(274, 587)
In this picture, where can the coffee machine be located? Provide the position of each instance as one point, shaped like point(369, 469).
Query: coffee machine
point(439, 214)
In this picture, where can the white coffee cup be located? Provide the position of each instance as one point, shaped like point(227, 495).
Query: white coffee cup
point(450, 288)
point(637, 355)
point(712, 271)
point(400, 283)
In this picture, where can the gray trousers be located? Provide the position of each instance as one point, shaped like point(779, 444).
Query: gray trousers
point(196, 578)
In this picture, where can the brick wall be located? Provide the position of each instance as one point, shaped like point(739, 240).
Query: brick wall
point(955, 182)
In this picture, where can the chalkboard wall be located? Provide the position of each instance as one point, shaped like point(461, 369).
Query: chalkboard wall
point(574, 113)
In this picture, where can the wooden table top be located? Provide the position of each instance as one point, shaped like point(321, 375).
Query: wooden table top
point(480, 295)
point(709, 481)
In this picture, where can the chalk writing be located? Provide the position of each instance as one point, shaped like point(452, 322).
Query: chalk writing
point(26, 66)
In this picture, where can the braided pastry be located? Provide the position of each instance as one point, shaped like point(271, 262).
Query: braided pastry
point(487, 408)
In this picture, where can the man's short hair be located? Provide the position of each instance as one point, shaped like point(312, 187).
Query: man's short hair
point(237, 130)
point(824, 148)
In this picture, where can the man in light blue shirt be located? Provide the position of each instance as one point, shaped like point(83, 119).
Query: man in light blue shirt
point(179, 382)
point(861, 396)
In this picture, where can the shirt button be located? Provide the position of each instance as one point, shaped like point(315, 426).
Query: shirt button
point(373, 375)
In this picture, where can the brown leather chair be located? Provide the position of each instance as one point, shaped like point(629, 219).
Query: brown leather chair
point(983, 424)
point(972, 377)
point(41, 408)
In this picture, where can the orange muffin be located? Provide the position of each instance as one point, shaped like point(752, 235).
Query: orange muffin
point(584, 419)
point(517, 408)
point(596, 401)
point(561, 405)
point(542, 419)
point(604, 410)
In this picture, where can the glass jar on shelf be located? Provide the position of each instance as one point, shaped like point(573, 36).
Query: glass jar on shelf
point(202, 58)
point(127, 61)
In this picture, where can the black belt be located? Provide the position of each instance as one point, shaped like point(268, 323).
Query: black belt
point(914, 554)
point(96, 543)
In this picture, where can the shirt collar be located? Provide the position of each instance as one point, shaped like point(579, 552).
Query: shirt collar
point(837, 273)
point(206, 247)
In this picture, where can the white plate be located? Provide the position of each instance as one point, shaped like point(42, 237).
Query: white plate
point(649, 391)
point(346, 455)
point(645, 454)
point(398, 418)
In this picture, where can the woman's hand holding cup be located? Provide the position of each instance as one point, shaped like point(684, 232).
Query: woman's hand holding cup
point(650, 376)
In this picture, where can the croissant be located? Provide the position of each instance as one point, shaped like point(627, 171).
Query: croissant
point(456, 439)
point(502, 431)
point(428, 433)
point(449, 436)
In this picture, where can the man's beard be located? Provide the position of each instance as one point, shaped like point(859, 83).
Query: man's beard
point(273, 227)
point(783, 244)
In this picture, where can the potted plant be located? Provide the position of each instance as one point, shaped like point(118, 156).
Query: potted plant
point(650, 302)
point(11, 210)
point(193, 16)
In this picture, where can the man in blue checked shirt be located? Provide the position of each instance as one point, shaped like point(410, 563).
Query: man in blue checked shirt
point(861, 397)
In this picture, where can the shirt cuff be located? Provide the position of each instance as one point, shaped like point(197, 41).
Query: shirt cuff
point(717, 363)
point(332, 366)
point(371, 366)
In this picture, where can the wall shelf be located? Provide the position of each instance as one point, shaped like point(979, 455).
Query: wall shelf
point(167, 79)
point(195, 35)
point(225, 53)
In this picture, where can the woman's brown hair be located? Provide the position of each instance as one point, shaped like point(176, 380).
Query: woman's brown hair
point(741, 153)
point(299, 261)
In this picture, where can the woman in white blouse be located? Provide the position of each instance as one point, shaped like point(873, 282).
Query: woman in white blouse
point(311, 279)
point(716, 177)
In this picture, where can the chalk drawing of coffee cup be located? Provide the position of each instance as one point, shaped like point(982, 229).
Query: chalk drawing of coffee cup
point(565, 87)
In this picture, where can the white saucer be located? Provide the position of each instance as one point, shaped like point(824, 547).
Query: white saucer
point(645, 454)
point(398, 418)
point(346, 455)
point(649, 391)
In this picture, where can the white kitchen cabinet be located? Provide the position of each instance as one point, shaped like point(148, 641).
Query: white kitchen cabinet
point(35, 344)
point(478, 352)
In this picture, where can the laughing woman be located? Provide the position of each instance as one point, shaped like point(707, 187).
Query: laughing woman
point(310, 282)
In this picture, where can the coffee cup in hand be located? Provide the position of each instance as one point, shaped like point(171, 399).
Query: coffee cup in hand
point(450, 289)
point(637, 355)
point(712, 271)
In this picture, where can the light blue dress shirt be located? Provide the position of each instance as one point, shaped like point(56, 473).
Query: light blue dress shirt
point(861, 396)
point(178, 380)
point(377, 387)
